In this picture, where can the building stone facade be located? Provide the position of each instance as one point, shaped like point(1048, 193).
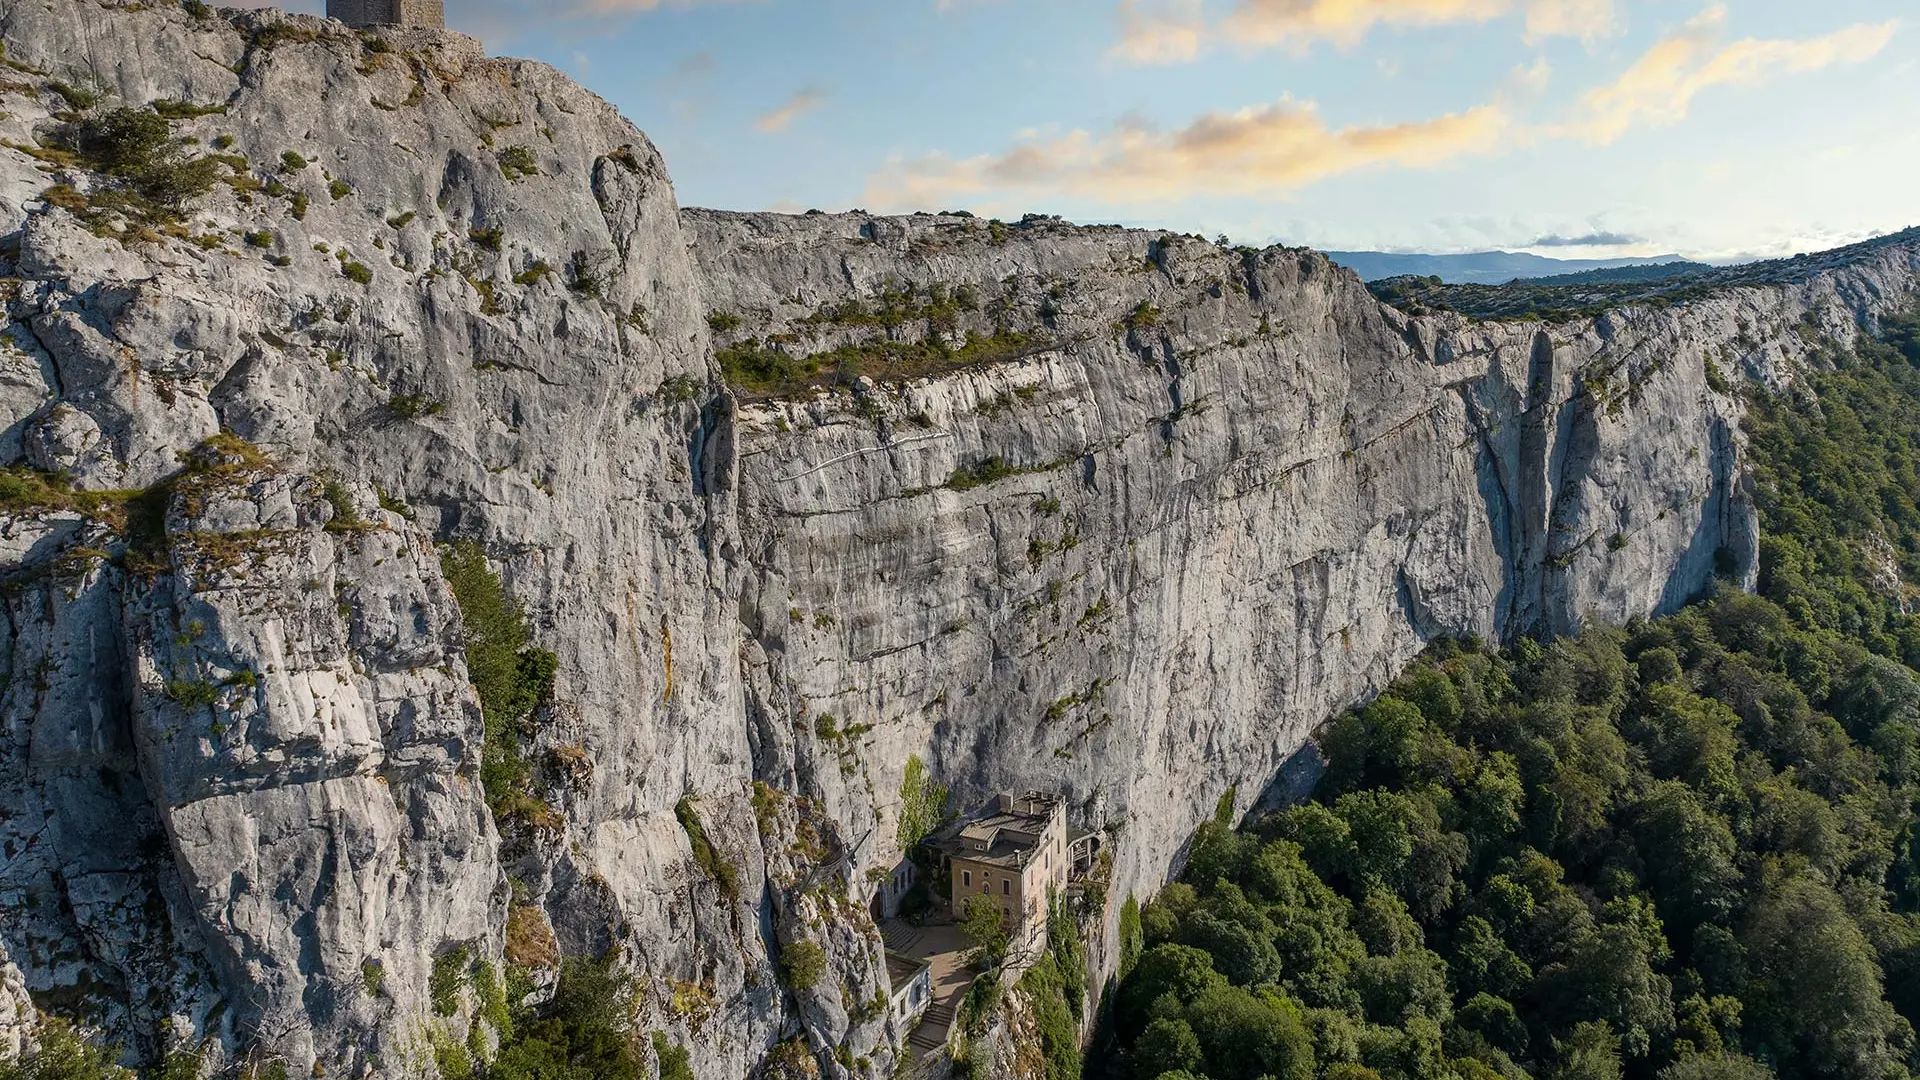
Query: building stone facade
point(389, 12)
point(1014, 857)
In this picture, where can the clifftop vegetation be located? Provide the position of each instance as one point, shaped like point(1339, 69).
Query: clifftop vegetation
point(1563, 299)
point(766, 368)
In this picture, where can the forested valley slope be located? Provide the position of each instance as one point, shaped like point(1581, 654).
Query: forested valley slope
point(1685, 847)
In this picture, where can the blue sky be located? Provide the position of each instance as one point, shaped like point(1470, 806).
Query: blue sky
point(1714, 128)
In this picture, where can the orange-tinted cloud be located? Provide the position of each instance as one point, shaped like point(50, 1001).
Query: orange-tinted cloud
point(1271, 150)
point(782, 117)
point(1277, 22)
point(1265, 150)
point(1177, 31)
point(1169, 34)
point(610, 7)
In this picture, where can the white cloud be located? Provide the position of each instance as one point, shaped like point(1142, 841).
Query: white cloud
point(1588, 20)
point(1659, 88)
point(1530, 80)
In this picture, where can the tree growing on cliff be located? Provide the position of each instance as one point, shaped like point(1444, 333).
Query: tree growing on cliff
point(923, 804)
point(804, 962)
point(985, 928)
point(1055, 989)
point(511, 676)
point(154, 177)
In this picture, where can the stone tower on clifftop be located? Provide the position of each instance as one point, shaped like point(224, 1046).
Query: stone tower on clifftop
point(389, 12)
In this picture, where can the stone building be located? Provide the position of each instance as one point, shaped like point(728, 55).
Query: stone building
point(389, 12)
point(912, 992)
point(1015, 856)
point(894, 889)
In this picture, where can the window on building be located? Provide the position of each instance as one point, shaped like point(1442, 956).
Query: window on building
point(966, 879)
point(1006, 887)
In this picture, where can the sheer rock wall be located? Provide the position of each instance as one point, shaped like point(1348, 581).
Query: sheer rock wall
point(457, 293)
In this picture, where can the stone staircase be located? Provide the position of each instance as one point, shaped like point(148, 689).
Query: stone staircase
point(927, 1043)
point(901, 937)
point(930, 1036)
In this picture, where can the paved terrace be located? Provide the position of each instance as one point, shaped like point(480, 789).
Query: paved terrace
point(940, 944)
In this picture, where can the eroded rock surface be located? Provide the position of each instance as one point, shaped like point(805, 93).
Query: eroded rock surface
point(460, 280)
point(1197, 500)
point(1235, 494)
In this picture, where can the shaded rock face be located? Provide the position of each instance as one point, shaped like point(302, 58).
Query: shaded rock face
point(451, 297)
point(240, 771)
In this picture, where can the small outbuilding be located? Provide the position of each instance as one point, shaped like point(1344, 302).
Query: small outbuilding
point(912, 989)
point(894, 889)
point(370, 13)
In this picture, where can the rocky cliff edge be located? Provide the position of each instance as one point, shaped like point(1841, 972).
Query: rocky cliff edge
point(791, 499)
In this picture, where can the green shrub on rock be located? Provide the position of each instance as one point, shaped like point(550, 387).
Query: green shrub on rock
point(511, 676)
point(804, 962)
point(65, 1054)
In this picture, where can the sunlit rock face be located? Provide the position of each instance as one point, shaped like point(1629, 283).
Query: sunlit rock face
point(1234, 494)
point(1193, 501)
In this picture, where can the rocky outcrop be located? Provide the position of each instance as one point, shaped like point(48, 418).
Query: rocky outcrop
point(241, 770)
point(17, 1018)
point(462, 281)
point(1189, 502)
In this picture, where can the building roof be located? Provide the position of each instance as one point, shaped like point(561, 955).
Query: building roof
point(901, 970)
point(1008, 835)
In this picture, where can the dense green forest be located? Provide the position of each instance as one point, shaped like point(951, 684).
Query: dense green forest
point(1686, 848)
point(1572, 297)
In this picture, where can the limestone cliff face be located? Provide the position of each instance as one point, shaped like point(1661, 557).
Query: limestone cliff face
point(452, 297)
point(1244, 494)
point(459, 279)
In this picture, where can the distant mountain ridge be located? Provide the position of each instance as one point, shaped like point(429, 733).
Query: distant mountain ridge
point(1593, 293)
point(1478, 268)
point(1638, 272)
